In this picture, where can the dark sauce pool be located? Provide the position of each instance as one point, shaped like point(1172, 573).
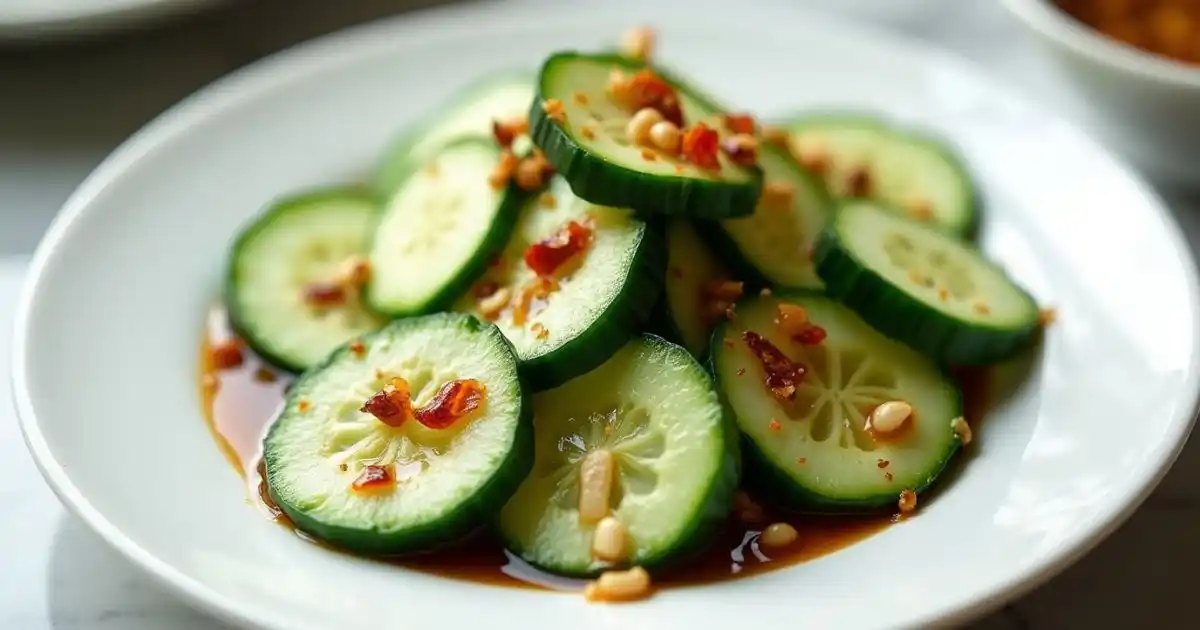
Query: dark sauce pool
point(239, 403)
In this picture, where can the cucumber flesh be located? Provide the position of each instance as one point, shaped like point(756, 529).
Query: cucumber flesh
point(913, 173)
point(653, 407)
point(818, 455)
point(470, 112)
point(691, 269)
point(590, 149)
point(921, 286)
point(298, 242)
point(599, 303)
point(440, 229)
point(773, 246)
point(447, 481)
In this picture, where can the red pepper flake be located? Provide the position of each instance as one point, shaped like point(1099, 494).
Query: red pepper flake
point(774, 425)
point(782, 374)
point(358, 348)
point(907, 502)
point(391, 405)
point(810, 336)
point(227, 354)
point(647, 89)
point(325, 294)
point(374, 479)
point(454, 400)
point(546, 256)
point(882, 463)
point(503, 134)
point(739, 123)
point(701, 145)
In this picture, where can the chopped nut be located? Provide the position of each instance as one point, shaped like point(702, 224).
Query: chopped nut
point(620, 87)
point(637, 130)
point(778, 195)
point(227, 354)
point(490, 306)
point(778, 535)
point(554, 110)
point(889, 416)
point(638, 43)
point(539, 330)
point(962, 430)
point(981, 308)
point(666, 136)
point(791, 319)
point(587, 132)
point(1047, 317)
point(547, 200)
point(858, 182)
point(619, 586)
point(580, 98)
point(358, 349)
point(504, 170)
point(908, 501)
point(747, 509)
point(741, 148)
point(610, 541)
point(775, 136)
point(531, 173)
point(595, 485)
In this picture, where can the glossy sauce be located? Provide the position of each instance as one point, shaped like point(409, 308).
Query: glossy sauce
point(239, 404)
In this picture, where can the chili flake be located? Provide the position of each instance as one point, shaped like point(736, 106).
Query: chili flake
point(554, 110)
point(811, 336)
point(303, 406)
point(374, 478)
point(454, 400)
point(391, 405)
point(701, 145)
point(647, 89)
point(739, 123)
point(325, 294)
point(782, 374)
point(546, 256)
point(227, 354)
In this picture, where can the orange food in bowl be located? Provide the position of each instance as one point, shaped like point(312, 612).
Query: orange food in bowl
point(1170, 28)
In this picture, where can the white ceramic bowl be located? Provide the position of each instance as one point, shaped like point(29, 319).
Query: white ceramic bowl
point(1143, 105)
point(105, 352)
point(37, 20)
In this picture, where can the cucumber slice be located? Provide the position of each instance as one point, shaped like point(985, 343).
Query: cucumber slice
point(440, 230)
point(299, 241)
point(654, 408)
point(773, 246)
point(691, 268)
point(923, 287)
point(914, 173)
point(814, 453)
point(598, 305)
point(601, 164)
point(470, 112)
point(447, 481)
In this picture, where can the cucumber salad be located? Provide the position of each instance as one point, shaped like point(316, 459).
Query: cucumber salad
point(591, 310)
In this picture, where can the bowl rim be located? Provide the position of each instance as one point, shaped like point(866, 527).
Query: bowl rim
point(1052, 23)
point(430, 24)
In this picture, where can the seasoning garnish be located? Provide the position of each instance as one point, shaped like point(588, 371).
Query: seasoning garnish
point(455, 400)
point(858, 183)
point(546, 256)
point(1047, 317)
point(504, 169)
point(227, 354)
point(782, 375)
point(739, 123)
point(647, 89)
point(701, 145)
point(325, 294)
point(554, 110)
point(391, 405)
point(373, 479)
point(741, 148)
point(907, 502)
point(638, 43)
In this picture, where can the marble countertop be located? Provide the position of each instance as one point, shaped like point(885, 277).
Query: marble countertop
point(63, 108)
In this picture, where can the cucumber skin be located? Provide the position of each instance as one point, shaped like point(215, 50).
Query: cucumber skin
point(492, 245)
point(454, 526)
point(728, 251)
point(627, 314)
point(399, 159)
point(601, 182)
point(232, 279)
point(763, 478)
point(973, 202)
point(904, 318)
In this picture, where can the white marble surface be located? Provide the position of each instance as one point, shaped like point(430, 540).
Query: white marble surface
point(62, 109)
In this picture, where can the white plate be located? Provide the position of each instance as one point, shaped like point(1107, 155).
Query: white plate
point(31, 19)
point(107, 331)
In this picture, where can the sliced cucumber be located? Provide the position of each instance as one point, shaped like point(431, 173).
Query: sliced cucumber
point(815, 453)
point(773, 246)
point(440, 230)
point(470, 112)
point(604, 298)
point(914, 173)
point(691, 269)
point(601, 164)
point(653, 407)
point(298, 242)
point(446, 481)
point(923, 287)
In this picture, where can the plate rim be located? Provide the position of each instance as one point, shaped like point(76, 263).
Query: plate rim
point(429, 25)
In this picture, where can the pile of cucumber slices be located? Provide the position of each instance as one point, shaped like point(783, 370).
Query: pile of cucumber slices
point(648, 321)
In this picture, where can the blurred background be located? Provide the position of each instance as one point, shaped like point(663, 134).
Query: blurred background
point(77, 77)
